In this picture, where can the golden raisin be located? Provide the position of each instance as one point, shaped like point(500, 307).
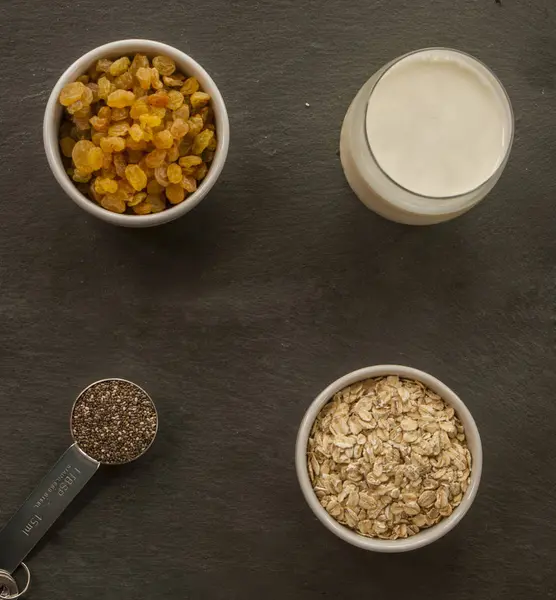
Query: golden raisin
point(144, 77)
point(66, 146)
point(107, 162)
point(139, 108)
point(140, 61)
point(147, 134)
point(159, 99)
point(112, 144)
point(136, 199)
point(83, 113)
point(190, 86)
point(75, 107)
point(164, 65)
point(119, 129)
point(83, 79)
point(99, 124)
point(155, 80)
point(185, 146)
point(179, 128)
point(201, 172)
point(136, 177)
point(136, 133)
point(88, 96)
point(71, 93)
point(120, 99)
point(143, 208)
point(103, 65)
point(82, 125)
point(104, 88)
point(124, 81)
point(159, 111)
point(198, 100)
point(133, 145)
point(175, 99)
point(94, 90)
point(190, 163)
point(104, 185)
point(155, 158)
point(173, 153)
point(119, 66)
point(139, 92)
point(201, 141)
point(182, 113)
point(175, 193)
point(93, 193)
point(189, 183)
point(157, 202)
point(120, 163)
point(175, 81)
point(195, 125)
point(110, 186)
point(113, 203)
point(163, 139)
point(110, 173)
point(174, 173)
point(119, 114)
point(153, 187)
point(81, 176)
point(160, 176)
point(126, 189)
point(150, 120)
point(95, 158)
point(80, 154)
point(105, 112)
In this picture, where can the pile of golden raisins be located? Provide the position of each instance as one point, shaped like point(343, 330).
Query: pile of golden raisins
point(138, 136)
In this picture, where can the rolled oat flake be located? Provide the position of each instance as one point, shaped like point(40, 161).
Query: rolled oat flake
point(113, 422)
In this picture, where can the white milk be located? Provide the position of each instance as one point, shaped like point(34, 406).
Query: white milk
point(427, 137)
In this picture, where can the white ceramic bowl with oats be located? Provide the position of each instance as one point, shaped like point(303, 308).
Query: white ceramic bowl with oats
point(54, 112)
point(392, 465)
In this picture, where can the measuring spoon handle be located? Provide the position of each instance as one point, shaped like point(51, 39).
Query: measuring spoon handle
point(41, 509)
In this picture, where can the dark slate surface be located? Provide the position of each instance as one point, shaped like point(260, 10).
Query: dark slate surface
point(237, 315)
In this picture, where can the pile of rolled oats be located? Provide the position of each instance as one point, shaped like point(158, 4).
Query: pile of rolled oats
point(388, 457)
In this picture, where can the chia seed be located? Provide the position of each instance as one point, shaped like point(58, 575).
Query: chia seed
point(114, 421)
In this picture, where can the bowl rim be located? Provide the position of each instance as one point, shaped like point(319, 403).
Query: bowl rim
point(53, 112)
point(426, 536)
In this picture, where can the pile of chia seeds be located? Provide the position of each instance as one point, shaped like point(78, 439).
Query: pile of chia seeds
point(114, 421)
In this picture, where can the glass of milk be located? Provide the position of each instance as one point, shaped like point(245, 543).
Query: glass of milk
point(427, 137)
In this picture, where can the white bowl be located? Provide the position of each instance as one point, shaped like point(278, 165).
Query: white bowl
point(54, 111)
point(426, 536)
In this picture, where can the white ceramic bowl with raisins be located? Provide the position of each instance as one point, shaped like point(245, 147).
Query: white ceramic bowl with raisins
point(366, 500)
point(141, 135)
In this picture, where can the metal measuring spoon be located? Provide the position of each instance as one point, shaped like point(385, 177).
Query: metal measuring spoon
point(52, 496)
point(8, 585)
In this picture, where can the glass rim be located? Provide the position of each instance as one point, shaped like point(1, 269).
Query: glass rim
point(497, 81)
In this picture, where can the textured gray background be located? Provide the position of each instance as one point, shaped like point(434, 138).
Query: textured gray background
point(236, 316)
